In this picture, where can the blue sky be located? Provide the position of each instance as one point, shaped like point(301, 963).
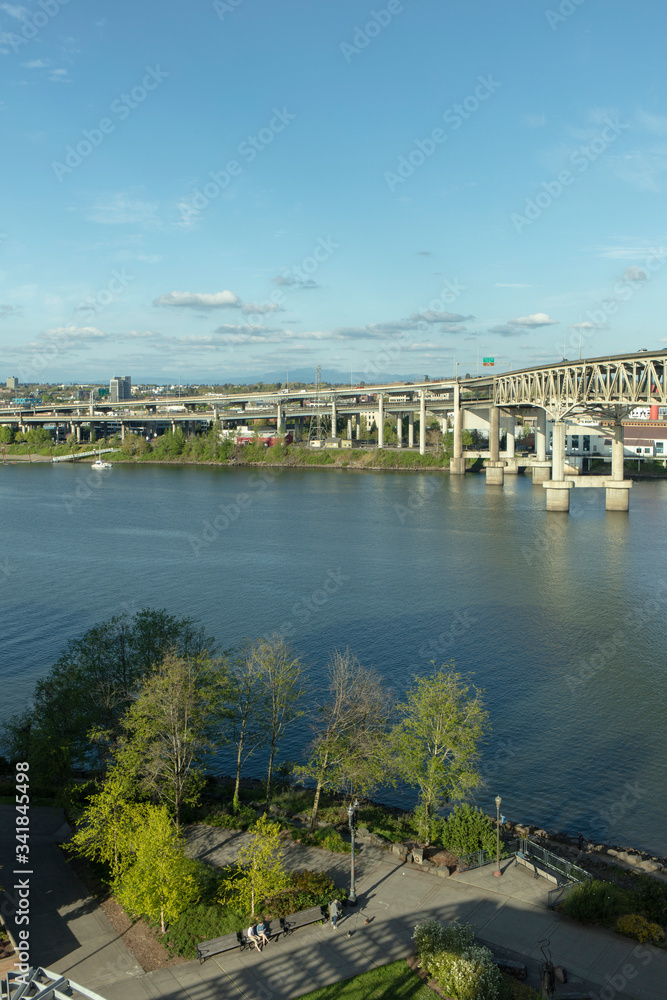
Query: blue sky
point(202, 190)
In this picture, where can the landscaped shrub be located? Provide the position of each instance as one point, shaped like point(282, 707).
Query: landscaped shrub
point(640, 928)
point(308, 888)
point(243, 818)
point(596, 902)
point(649, 897)
point(468, 829)
point(331, 840)
point(201, 923)
point(463, 969)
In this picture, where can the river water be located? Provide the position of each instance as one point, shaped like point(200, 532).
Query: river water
point(559, 618)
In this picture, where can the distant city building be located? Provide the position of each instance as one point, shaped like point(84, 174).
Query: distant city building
point(120, 387)
point(13, 382)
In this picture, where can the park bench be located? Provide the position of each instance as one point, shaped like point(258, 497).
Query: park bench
point(273, 933)
point(216, 946)
point(302, 919)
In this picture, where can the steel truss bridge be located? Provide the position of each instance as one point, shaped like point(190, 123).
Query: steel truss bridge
point(592, 385)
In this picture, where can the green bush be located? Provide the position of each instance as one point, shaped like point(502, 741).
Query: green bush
point(649, 897)
point(308, 888)
point(636, 926)
point(463, 969)
point(243, 818)
point(331, 840)
point(201, 923)
point(596, 902)
point(466, 830)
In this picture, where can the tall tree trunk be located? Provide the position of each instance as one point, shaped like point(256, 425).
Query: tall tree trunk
point(235, 800)
point(318, 792)
point(269, 775)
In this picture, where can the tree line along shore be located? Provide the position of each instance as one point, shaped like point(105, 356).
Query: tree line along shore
point(123, 728)
point(174, 447)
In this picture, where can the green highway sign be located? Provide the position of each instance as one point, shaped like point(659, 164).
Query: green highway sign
point(489, 361)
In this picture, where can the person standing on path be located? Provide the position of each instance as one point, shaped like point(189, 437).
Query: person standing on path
point(334, 912)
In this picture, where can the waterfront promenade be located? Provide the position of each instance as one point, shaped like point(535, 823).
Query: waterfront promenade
point(70, 935)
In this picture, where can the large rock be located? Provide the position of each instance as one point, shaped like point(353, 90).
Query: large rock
point(400, 850)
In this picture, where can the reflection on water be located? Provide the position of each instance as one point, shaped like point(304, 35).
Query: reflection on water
point(560, 618)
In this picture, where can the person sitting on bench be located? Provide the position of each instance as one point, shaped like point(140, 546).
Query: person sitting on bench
point(262, 929)
point(253, 936)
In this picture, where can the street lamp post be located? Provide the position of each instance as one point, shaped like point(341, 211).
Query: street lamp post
point(498, 872)
point(352, 813)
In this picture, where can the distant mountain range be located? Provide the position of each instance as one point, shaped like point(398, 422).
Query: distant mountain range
point(306, 375)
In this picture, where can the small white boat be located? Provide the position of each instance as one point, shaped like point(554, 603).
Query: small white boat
point(99, 464)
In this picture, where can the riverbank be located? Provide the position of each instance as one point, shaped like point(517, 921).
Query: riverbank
point(204, 452)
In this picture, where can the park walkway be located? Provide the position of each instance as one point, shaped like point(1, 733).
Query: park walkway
point(508, 914)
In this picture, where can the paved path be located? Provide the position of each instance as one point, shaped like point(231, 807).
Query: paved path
point(68, 931)
point(508, 914)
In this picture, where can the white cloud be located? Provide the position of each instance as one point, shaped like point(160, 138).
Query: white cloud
point(431, 316)
point(6, 311)
point(535, 121)
point(122, 210)
point(630, 252)
point(199, 300)
point(657, 124)
point(292, 281)
point(15, 10)
point(37, 64)
point(533, 321)
point(80, 334)
point(634, 273)
point(260, 308)
point(59, 76)
point(502, 284)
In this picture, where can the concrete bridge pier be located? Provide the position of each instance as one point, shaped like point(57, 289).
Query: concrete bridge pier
point(280, 426)
point(541, 436)
point(349, 428)
point(457, 463)
point(411, 429)
point(358, 429)
point(422, 423)
point(511, 467)
point(78, 433)
point(399, 429)
point(617, 497)
point(558, 490)
point(334, 417)
point(495, 469)
point(380, 420)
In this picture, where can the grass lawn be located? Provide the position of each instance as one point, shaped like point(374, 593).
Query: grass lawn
point(391, 982)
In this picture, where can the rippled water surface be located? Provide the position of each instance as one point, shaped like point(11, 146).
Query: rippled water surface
point(561, 619)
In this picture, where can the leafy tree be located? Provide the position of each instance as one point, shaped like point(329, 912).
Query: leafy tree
point(172, 727)
point(90, 687)
point(281, 674)
point(6, 435)
point(349, 747)
point(468, 829)
point(436, 741)
point(261, 871)
point(161, 882)
point(245, 712)
point(105, 831)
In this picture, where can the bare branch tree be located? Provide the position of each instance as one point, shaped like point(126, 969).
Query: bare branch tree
point(349, 748)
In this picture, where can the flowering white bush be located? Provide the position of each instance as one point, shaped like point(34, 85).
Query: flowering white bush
point(463, 969)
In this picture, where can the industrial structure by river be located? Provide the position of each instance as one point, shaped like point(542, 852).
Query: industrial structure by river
point(560, 619)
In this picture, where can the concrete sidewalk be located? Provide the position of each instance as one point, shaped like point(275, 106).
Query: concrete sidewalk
point(71, 935)
point(68, 931)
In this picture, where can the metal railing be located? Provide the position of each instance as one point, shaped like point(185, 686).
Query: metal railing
point(570, 871)
point(477, 859)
